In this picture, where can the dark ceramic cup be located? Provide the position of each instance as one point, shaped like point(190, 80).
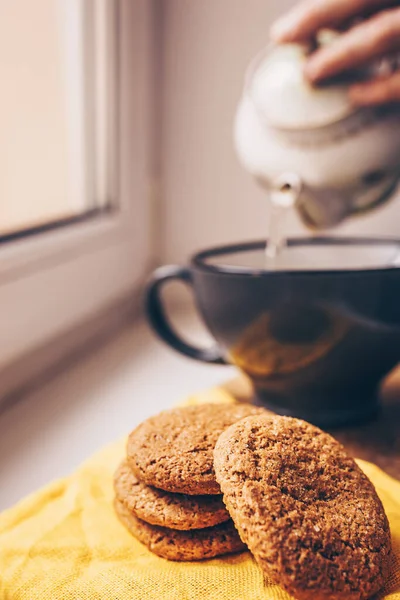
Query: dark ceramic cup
point(315, 343)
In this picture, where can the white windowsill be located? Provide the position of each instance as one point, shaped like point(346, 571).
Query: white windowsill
point(53, 429)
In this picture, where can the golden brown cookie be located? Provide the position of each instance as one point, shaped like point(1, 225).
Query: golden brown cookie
point(173, 451)
point(307, 512)
point(196, 544)
point(175, 511)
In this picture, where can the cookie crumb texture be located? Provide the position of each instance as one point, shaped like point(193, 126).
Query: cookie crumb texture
point(176, 545)
point(307, 512)
point(157, 507)
point(173, 450)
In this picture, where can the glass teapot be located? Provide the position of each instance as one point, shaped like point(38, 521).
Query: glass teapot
point(333, 160)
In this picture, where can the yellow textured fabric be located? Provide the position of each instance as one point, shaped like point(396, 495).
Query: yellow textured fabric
point(65, 543)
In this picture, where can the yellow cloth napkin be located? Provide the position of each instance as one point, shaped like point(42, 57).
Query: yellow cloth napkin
point(65, 543)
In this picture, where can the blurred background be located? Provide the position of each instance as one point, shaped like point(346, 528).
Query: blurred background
point(116, 156)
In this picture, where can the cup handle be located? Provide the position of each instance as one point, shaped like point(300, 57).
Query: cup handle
point(160, 322)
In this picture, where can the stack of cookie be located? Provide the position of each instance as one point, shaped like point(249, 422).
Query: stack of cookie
point(166, 492)
point(303, 507)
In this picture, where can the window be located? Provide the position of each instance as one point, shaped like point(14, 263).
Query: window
point(57, 114)
point(75, 156)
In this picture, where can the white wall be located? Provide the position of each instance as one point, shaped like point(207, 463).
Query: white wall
point(208, 199)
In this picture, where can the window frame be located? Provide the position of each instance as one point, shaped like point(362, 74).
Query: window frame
point(86, 265)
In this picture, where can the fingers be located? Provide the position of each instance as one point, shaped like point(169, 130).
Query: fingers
point(366, 41)
point(378, 91)
point(309, 16)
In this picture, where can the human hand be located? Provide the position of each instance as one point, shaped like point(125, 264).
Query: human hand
point(371, 31)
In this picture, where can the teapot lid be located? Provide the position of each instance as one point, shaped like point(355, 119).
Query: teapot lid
point(278, 88)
